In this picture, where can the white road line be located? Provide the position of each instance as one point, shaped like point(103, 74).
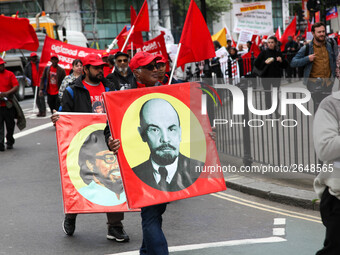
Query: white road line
point(33, 130)
point(192, 247)
point(280, 221)
point(279, 231)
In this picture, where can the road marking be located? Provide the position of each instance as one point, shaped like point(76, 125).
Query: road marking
point(32, 130)
point(280, 221)
point(191, 247)
point(267, 208)
point(279, 231)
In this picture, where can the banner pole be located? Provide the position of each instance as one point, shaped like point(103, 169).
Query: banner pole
point(175, 63)
point(127, 38)
point(131, 49)
point(35, 98)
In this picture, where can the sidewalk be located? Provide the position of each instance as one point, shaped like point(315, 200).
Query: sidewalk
point(289, 188)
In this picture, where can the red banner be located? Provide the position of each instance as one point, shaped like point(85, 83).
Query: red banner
point(90, 176)
point(166, 149)
point(156, 46)
point(66, 53)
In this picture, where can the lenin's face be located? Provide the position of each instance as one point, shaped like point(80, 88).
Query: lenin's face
point(107, 169)
point(160, 128)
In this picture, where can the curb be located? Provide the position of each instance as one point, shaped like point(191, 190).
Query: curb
point(274, 196)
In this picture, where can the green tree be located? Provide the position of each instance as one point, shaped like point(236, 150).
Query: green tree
point(179, 9)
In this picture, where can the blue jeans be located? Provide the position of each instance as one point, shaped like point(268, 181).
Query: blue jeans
point(154, 241)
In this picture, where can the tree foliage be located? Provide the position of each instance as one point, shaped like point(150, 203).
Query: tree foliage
point(214, 8)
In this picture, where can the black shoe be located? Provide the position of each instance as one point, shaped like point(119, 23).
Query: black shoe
point(9, 146)
point(117, 233)
point(41, 114)
point(69, 225)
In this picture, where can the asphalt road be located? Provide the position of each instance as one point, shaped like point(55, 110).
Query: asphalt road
point(224, 223)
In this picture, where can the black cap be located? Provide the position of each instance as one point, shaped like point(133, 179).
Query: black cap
point(119, 53)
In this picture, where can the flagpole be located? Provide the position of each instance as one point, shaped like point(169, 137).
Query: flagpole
point(175, 63)
point(114, 42)
point(131, 49)
point(128, 37)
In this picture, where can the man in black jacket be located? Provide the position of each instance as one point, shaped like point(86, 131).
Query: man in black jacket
point(32, 73)
point(84, 96)
point(122, 72)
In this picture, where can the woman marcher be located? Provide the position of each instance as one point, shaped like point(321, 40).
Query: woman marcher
point(327, 183)
point(272, 63)
point(235, 56)
point(77, 70)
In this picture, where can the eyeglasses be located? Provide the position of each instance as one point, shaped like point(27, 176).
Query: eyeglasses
point(159, 65)
point(122, 60)
point(150, 67)
point(108, 158)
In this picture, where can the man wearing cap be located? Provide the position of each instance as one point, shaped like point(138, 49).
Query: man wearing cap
point(122, 72)
point(144, 67)
point(85, 95)
point(163, 76)
point(107, 69)
point(50, 82)
point(31, 72)
point(8, 86)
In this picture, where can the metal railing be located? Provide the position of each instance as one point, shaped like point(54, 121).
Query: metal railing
point(269, 139)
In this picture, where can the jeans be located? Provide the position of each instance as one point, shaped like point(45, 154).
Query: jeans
point(154, 242)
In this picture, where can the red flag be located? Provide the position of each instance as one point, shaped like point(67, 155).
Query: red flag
point(307, 29)
point(142, 21)
point(196, 39)
point(17, 33)
point(278, 33)
point(120, 37)
point(290, 31)
point(136, 37)
point(297, 35)
point(317, 17)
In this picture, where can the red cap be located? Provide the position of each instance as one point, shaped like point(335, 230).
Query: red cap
point(33, 54)
point(53, 55)
point(93, 60)
point(105, 54)
point(2, 61)
point(162, 60)
point(142, 58)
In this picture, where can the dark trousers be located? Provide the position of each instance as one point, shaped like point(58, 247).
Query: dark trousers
point(113, 219)
point(267, 86)
point(53, 102)
point(40, 101)
point(330, 215)
point(6, 118)
point(319, 94)
point(154, 241)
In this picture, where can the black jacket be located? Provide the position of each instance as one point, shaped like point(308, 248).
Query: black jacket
point(185, 175)
point(28, 70)
point(273, 69)
point(128, 82)
point(76, 97)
